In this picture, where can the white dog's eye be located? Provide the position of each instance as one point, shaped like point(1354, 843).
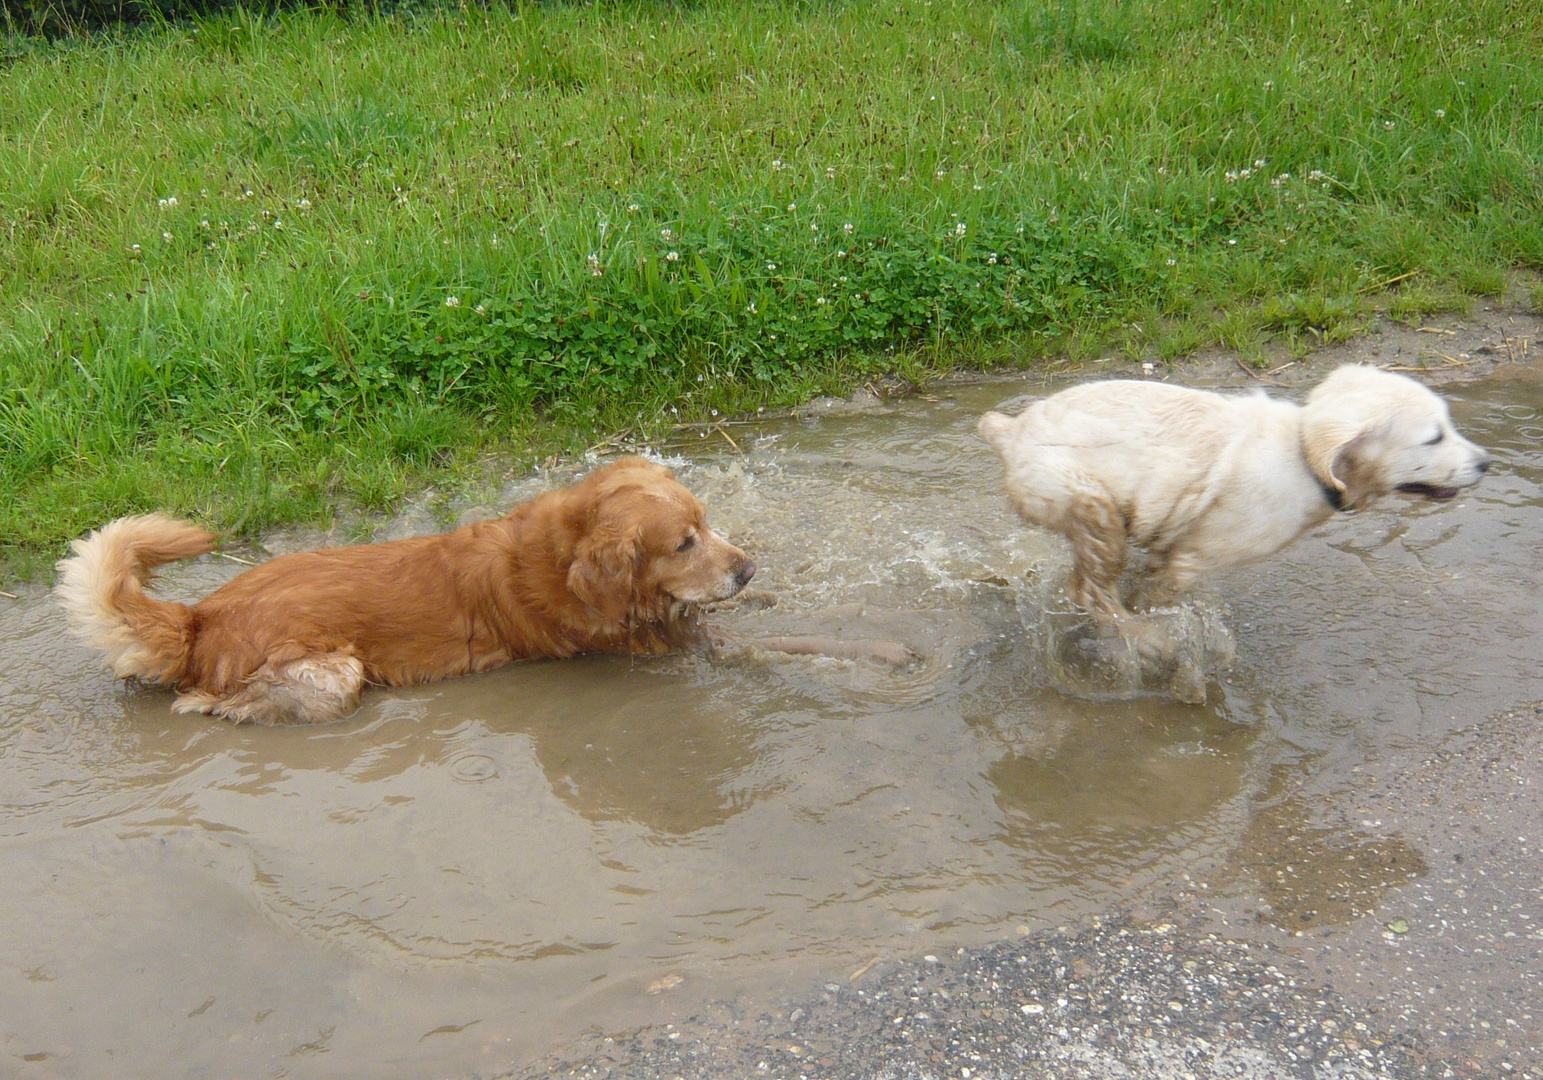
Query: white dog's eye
point(1434, 439)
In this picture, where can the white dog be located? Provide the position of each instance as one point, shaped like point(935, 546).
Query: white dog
point(1207, 481)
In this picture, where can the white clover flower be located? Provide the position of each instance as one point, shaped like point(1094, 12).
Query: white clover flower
point(277, 224)
point(771, 266)
point(752, 309)
point(1269, 84)
point(841, 253)
point(595, 269)
point(166, 236)
point(303, 204)
point(1260, 163)
point(1441, 114)
point(1173, 262)
point(1231, 176)
point(777, 164)
point(1387, 125)
point(134, 248)
point(246, 193)
point(991, 260)
point(847, 228)
point(1232, 243)
point(842, 278)
point(813, 227)
point(830, 172)
point(452, 301)
point(168, 202)
point(673, 256)
point(821, 301)
point(666, 235)
point(1315, 176)
point(1245, 173)
point(792, 206)
point(959, 229)
point(204, 224)
point(633, 208)
point(480, 310)
point(941, 173)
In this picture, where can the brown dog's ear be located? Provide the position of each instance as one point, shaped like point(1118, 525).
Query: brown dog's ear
point(604, 564)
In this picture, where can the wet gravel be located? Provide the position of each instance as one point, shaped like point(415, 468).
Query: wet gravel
point(1117, 999)
point(1437, 974)
point(1456, 955)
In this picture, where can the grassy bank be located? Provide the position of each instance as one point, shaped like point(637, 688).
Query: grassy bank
point(255, 266)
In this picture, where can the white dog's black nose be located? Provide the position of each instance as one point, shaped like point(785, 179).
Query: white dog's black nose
point(1484, 464)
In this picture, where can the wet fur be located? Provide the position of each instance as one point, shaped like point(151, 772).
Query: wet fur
point(595, 567)
point(1209, 481)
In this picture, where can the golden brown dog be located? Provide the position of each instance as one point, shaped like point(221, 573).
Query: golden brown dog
point(618, 562)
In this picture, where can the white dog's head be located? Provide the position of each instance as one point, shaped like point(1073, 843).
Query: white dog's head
point(1367, 432)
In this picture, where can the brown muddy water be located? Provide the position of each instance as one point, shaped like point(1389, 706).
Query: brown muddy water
point(464, 876)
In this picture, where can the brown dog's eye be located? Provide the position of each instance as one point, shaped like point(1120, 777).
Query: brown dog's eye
point(687, 543)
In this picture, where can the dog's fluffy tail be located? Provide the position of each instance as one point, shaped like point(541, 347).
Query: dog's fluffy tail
point(993, 427)
point(102, 590)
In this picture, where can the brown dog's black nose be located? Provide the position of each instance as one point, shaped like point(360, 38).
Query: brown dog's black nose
point(746, 572)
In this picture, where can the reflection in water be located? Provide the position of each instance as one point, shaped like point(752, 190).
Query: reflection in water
point(667, 753)
point(1116, 789)
point(1101, 789)
point(1314, 875)
point(495, 861)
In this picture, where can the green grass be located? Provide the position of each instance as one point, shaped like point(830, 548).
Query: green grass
point(256, 268)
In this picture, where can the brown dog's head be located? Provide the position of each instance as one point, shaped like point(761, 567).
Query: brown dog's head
point(645, 550)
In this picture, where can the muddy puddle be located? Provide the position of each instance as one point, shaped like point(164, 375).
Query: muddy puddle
point(464, 876)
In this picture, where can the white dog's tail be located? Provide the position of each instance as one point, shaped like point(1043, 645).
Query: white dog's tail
point(994, 427)
point(102, 590)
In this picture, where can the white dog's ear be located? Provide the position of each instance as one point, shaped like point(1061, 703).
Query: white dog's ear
point(1341, 451)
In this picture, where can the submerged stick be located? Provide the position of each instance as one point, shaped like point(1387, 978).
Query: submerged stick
point(888, 652)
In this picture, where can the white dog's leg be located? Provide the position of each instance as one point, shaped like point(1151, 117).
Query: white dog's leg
point(1170, 575)
point(1096, 530)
